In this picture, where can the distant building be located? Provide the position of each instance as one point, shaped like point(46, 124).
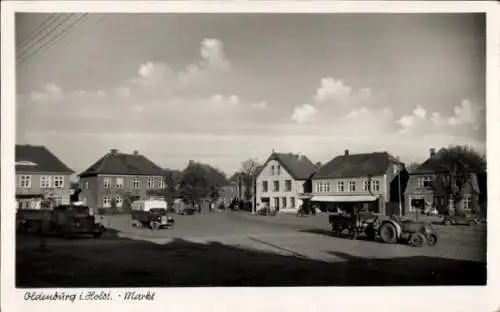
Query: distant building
point(40, 175)
point(282, 180)
point(368, 181)
point(116, 175)
point(426, 191)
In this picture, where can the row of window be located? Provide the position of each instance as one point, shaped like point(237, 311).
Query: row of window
point(427, 181)
point(106, 201)
point(350, 186)
point(276, 186)
point(275, 170)
point(45, 181)
point(441, 201)
point(290, 203)
point(32, 204)
point(151, 183)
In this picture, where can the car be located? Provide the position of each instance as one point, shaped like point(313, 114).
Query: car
point(464, 219)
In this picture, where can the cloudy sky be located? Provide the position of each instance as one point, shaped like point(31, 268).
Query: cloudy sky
point(220, 88)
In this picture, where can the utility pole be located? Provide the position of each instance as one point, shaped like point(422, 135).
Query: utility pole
point(399, 188)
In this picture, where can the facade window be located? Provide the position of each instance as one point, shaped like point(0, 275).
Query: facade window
point(352, 186)
point(58, 181)
point(106, 201)
point(340, 186)
point(375, 185)
point(150, 183)
point(45, 181)
point(107, 182)
point(136, 183)
point(322, 187)
point(119, 201)
point(366, 185)
point(276, 186)
point(467, 202)
point(278, 170)
point(272, 170)
point(25, 181)
point(87, 185)
point(119, 182)
point(264, 186)
point(292, 202)
point(283, 202)
point(161, 183)
point(276, 202)
point(424, 182)
point(288, 185)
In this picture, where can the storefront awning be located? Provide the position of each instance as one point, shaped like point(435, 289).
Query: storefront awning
point(344, 199)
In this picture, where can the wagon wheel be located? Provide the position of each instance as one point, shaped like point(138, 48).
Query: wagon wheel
point(138, 225)
point(388, 233)
point(432, 240)
point(155, 225)
point(417, 240)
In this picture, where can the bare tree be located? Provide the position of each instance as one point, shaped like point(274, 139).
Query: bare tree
point(247, 176)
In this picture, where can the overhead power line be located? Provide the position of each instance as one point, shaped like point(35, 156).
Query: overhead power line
point(56, 38)
point(41, 27)
point(33, 43)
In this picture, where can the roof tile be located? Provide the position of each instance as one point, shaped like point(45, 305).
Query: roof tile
point(38, 159)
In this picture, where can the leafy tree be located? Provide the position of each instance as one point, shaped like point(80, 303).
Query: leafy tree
point(200, 181)
point(247, 174)
point(458, 162)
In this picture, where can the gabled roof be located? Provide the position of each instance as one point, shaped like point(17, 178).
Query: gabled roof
point(298, 166)
point(124, 164)
point(431, 165)
point(31, 158)
point(356, 165)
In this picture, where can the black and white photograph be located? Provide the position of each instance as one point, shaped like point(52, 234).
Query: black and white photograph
point(158, 150)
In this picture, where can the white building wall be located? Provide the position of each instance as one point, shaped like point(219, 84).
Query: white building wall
point(282, 176)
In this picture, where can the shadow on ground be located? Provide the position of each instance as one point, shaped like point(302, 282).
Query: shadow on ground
point(119, 262)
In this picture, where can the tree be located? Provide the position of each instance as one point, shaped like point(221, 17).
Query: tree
point(200, 181)
point(247, 174)
point(458, 162)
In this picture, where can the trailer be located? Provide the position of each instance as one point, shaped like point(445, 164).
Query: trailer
point(151, 213)
point(64, 220)
point(389, 230)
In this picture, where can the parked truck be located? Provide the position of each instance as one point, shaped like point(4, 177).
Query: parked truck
point(64, 220)
point(151, 213)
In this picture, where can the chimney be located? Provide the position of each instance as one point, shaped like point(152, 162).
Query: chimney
point(114, 151)
point(136, 152)
point(432, 151)
point(346, 152)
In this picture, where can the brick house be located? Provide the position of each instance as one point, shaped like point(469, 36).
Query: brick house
point(40, 175)
point(118, 175)
point(425, 190)
point(374, 181)
point(282, 180)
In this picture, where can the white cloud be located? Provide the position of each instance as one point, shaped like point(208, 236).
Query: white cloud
point(51, 92)
point(330, 89)
point(465, 116)
point(304, 113)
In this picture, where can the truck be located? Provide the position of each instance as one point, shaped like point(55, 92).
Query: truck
point(64, 220)
point(150, 213)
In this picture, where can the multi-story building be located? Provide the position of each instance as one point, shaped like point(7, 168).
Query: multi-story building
point(116, 176)
point(40, 175)
point(282, 180)
point(370, 181)
point(429, 187)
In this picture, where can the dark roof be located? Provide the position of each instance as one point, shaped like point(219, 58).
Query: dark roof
point(126, 164)
point(298, 166)
point(31, 158)
point(432, 165)
point(356, 165)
